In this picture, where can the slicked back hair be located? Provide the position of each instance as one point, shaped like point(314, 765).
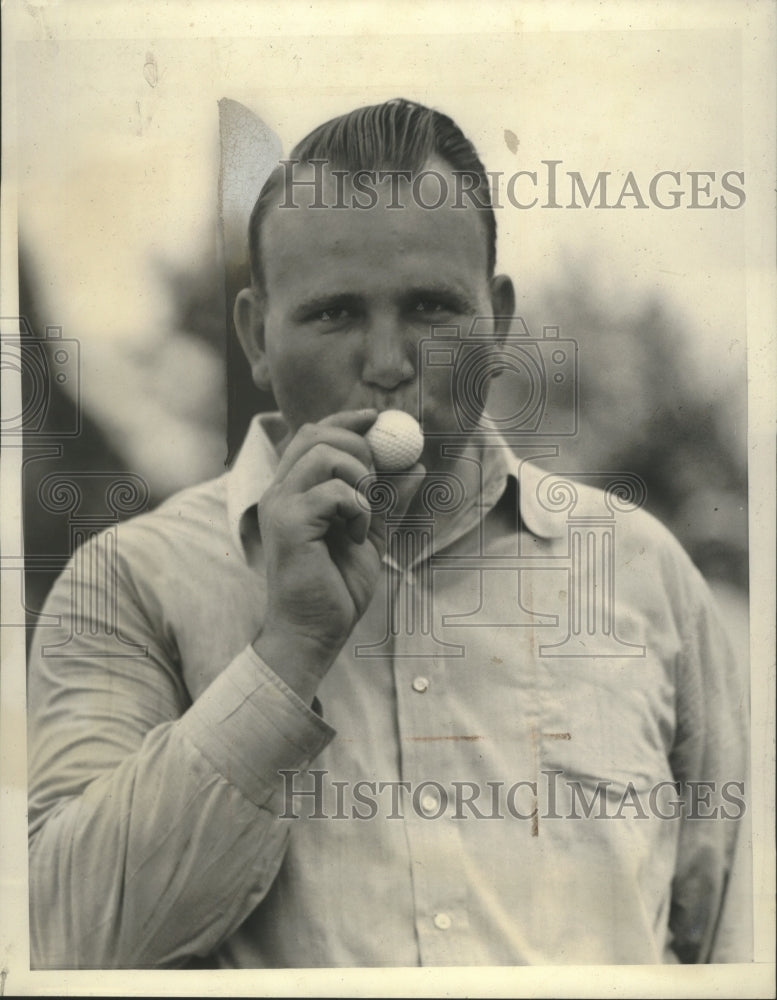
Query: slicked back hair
point(398, 135)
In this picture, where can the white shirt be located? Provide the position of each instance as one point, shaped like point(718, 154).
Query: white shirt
point(508, 699)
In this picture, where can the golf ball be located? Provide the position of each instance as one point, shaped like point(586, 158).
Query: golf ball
point(396, 440)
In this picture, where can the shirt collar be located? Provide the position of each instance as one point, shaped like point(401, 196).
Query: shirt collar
point(540, 521)
point(252, 472)
point(256, 464)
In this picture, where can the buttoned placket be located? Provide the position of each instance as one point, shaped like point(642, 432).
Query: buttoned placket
point(427, 755)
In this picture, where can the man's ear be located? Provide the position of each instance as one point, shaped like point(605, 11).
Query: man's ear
point(502, 305)
point(249, 324)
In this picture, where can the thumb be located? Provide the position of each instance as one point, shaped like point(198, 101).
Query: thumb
point(390, 495)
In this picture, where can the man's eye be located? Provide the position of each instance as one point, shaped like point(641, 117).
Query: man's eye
point(330, 316)
point(432, 307)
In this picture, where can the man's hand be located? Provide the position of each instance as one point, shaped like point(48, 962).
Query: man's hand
point(323, 547)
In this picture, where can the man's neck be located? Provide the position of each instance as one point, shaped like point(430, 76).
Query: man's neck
point(460, 475)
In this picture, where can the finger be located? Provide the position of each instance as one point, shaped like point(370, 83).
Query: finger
point(346, 439)
point(359, 421)
point(408, 484)
point(404, 486)
point(323, 462)
point(325, 502)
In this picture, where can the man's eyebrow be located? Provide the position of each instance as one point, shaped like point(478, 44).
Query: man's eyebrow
point(452, 293)
point(326, 301)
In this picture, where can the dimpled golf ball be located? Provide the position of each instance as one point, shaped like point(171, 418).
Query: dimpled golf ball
point(396, 440)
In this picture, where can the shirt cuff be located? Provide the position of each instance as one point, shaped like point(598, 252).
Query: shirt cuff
point(249, 724)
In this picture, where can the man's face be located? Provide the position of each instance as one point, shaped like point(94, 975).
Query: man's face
point(350, 293)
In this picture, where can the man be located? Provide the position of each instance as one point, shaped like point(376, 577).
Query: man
point(358, 732)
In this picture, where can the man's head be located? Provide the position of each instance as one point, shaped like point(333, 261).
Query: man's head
point(378, 227)
point(399, 136)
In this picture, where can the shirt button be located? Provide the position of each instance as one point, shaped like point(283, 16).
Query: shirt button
point(429, 803)
point(442, 921)
point(421, 684)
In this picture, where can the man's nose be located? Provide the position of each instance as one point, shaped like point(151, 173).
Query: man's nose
point(389, 354)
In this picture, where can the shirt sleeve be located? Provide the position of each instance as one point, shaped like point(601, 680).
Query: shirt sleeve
point(711, 914)
point(154, 822)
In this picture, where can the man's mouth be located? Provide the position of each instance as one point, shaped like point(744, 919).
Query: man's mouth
point(404, 404)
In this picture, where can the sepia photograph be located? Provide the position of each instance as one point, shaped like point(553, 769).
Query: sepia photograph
point(388, 522)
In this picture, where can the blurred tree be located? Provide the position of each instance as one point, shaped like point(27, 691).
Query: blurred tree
point(47, 451)
point(641, 409)
point(644, 409)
